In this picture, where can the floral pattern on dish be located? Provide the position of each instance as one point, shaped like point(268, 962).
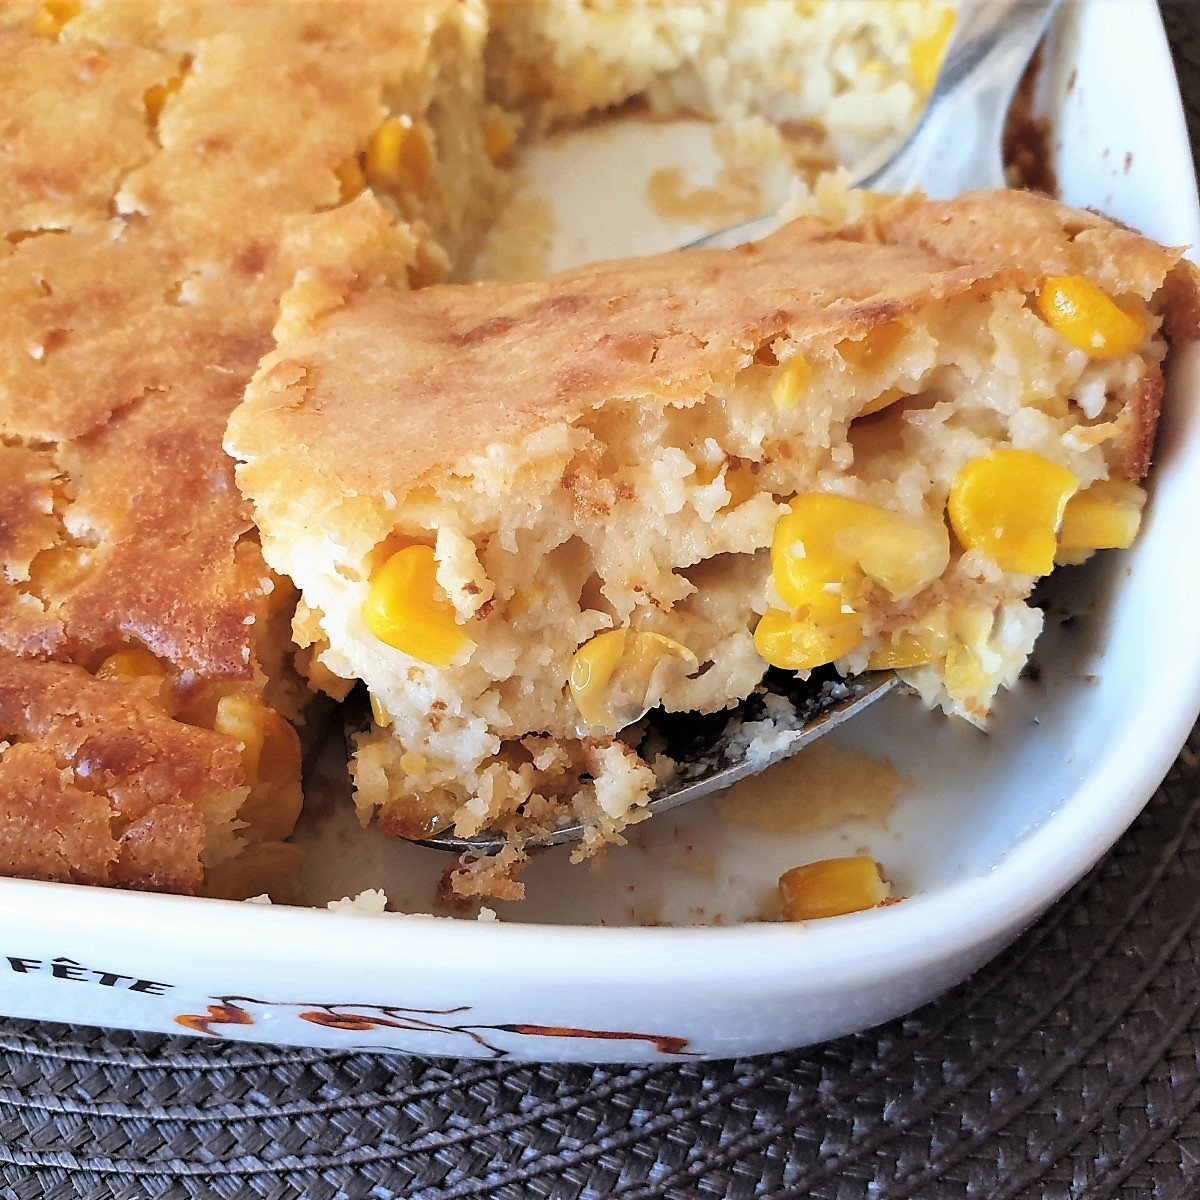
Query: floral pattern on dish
point(362, 1018)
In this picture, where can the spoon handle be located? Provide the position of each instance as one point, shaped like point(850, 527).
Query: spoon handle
point(956, 145)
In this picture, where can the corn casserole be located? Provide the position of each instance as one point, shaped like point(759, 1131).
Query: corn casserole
point(168, 168)
point(523, 514)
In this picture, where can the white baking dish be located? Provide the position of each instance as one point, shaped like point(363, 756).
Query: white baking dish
point(993, 829)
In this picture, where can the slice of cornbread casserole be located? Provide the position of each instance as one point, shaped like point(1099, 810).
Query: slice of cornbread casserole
point(524, 513)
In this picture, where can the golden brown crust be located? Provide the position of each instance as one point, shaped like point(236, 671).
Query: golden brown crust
point(393, 388)
point(27, 523)
point(50, 827)
point(99, 785)
point(122, 351)
point(1141, 421)
point(165, 170)
point(59, 174)
point(1182, 299)
point(367, 396)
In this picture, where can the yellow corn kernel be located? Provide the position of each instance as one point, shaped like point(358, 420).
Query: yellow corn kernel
point(612, 675)
point(412, 763)
point(875, 348)
point(379, 714)
point(403, 609)
point(970, 664)
point(741, 482)
point(1105, 516)
point(926, 53)
point(240, 718)
point(270, 751)
point(791, 382)
point(419, 816)
point(1076, 308)
point(591, 669)
point(910, 648)
point(902, 552)
point(965, 673)
point(739, 476)
point(498, 137)
point(804, 560)
point(399, 156)
point(1009, 505)
point(53, 15)
point(871, 352)
point(832, 888)
point(350, 177)
point(808, 637)
point(1071, 558)
point(130, 663)
point(973, 625)
point(828, 541)
point(56, 567)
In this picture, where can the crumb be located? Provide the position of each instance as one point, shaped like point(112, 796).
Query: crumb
point(370, 903)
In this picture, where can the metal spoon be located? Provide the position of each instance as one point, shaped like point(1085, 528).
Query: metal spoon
point(955, 147)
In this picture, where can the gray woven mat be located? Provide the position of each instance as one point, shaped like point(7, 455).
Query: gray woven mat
point(1069, 1067)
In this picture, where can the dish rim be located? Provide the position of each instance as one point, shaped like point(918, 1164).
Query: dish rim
point(1038, 868)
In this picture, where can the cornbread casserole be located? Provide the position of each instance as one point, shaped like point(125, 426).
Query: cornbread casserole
point(524, 513)
point(166, 170)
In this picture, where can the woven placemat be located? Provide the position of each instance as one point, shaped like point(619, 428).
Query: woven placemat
point(1068, 1067)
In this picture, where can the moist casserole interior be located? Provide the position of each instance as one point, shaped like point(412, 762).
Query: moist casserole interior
point(638, 483)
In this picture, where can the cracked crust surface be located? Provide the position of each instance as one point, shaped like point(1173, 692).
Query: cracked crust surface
point(364, 396)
